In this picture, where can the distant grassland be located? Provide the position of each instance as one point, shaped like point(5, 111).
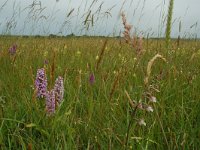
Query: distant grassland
point(97, 116)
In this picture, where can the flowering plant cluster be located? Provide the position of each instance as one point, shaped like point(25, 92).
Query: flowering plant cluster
point(147, 108)
point(142, 106)
point(53, 97)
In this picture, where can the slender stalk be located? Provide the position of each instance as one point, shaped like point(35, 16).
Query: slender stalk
point(161, 127)
point(101, 54)
point(131, 121)
point(117, 78)
point(129, 127)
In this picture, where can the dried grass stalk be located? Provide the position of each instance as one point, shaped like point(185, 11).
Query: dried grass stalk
point(129, 100)
point(149, 66)
point(127, 29)
point(52, 73)
point(101, 54)
point(114, 86)
point(135, 42)
point(194, 55)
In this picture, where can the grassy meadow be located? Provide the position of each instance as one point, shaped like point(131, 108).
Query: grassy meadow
point(104, 114)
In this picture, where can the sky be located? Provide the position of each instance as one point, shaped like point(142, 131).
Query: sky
point(98, 17)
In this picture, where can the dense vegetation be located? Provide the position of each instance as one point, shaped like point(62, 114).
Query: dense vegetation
point(97, 114)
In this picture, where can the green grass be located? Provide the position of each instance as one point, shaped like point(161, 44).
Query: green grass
point(89, 118)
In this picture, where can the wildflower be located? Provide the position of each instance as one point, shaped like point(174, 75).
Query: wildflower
point(149, 109)
point(153, 99)
point(141, 122)
point(59, 89)
point(50, 102)
point(41, 83)
point(12, 50)
point(92, 79)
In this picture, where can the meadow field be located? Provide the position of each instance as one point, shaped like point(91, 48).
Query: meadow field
point(113, 98)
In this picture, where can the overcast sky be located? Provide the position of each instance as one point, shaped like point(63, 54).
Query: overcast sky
point(64, 17)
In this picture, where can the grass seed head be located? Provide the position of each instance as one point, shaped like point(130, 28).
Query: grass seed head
point(149, 66)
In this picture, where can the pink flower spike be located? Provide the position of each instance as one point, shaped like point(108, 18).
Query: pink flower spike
point(92, 78)
point(50, 102)
point(12, 50)
point(59, 89)
point(41, 83)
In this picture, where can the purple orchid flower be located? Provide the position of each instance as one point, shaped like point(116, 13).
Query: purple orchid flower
point(41, 83)
point(12, 50)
